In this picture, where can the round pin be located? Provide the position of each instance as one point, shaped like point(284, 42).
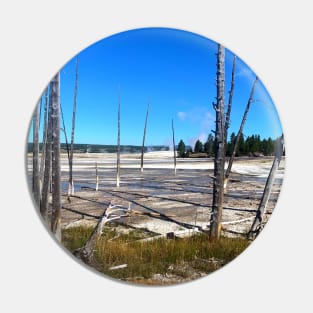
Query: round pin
point(155, 156)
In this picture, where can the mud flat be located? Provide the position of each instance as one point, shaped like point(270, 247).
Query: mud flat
point(186, 197)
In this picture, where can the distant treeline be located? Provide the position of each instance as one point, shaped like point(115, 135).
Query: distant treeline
point(93, 148)
point(248, 146)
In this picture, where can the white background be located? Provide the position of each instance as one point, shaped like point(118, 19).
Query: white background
point(274, 38)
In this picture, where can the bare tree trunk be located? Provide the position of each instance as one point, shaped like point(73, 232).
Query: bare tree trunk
point(70, 181)
point(36, 181)
point(66, 143)
point(230, 99)
point(219, 153)
point(86, 252)
point(65, 135)
point(97, 177)
point(56, 170)
point(244, 118)
point(174, 147)
point(257, 223)
point(47, 167)
point(118, 155)
point(143, 140)
point(44, 138)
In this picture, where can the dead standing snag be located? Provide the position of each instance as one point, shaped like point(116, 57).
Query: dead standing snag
point(219, 153)
point(47, 167)
point(44, 138)
point(56, 170)
point(97, 177)
point(230, 99)
point(70, 180)
point(118, 154)
point(36, 181)
point(237, 139)
point(174, 147)
point(143, 140)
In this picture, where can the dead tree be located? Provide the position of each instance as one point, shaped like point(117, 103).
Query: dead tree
point(174, 147)
point(257, 223)
point(244, 118)
point(86, 253)
point(97, 177)
point(112, 213)
point(143, 140)
point(219, 149)
point(36, 181)
point(118, 154)
point(65, 135)
point(47, 167)
point(70, 180)
point(44, 138)
point(230, 99)
point(56, 169)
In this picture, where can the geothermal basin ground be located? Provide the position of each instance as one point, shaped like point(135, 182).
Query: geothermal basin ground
point(186, 197)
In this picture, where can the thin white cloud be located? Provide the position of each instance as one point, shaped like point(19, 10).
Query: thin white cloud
point(244, 71)
point(182, 115)
point(198, 115)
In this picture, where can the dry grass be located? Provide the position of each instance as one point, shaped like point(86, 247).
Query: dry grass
point(161, 261)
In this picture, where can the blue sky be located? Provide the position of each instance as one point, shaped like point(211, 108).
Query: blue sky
point(175, 72)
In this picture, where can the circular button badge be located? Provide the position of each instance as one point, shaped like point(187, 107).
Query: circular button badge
point(155, 156)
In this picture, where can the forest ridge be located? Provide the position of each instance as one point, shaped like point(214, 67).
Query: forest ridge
point(248, 146)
